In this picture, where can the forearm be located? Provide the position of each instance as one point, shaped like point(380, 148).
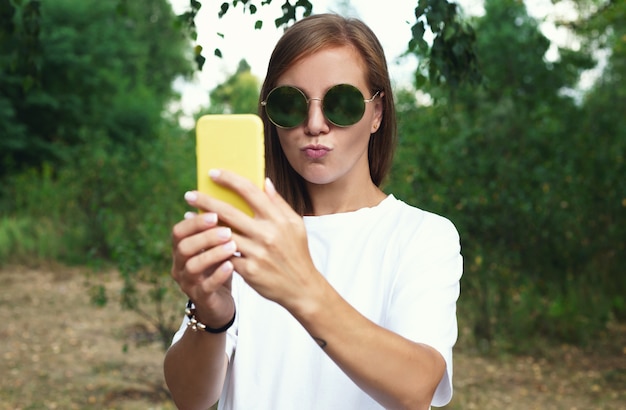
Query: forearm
point(395, 371)
point(195, 369)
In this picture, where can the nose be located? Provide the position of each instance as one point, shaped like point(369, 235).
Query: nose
point(316, 123)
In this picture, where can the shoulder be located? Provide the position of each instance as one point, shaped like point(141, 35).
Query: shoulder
point(420, 223)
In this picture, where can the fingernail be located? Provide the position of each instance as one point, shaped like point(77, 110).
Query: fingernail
point(227, 266)
point(230, 246)
point(210, 218)
point(269, 186)
point(224, 233)
point(191, 196)
point(214, 173)
point(189, 215)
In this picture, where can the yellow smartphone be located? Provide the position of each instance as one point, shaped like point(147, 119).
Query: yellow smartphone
point(232, 142)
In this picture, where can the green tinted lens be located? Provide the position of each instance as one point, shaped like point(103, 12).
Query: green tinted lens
point(344, 105)
point(286, 106)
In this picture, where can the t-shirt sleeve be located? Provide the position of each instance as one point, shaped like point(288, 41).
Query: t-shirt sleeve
point(181, 330)
point(423, 301)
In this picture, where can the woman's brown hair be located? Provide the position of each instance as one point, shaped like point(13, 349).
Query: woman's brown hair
point(305, 38)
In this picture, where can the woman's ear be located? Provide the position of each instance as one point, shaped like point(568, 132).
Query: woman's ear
point(378, 113)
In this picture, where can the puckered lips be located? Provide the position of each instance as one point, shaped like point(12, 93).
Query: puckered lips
point(316, 151)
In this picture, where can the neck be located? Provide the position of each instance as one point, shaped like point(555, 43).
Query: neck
point(337, 198)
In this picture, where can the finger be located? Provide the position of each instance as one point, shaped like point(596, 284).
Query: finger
point(228, 214)
point(192, 224)
point(270, 189)
point(245, 247)
point(219, 277)
point(276, 198)
point(195, 244)
point(197, 266)
point(245, 188)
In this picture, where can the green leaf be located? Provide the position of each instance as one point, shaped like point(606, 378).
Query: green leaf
point(98, 295)
point(420, 80)
point(449, 32)
point(200, 60)
point(223, 9)
point(418, 30)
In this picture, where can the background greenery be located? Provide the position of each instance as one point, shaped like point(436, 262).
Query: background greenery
point(93, 165)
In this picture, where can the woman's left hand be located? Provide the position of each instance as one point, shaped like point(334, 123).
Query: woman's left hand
point(275, 258)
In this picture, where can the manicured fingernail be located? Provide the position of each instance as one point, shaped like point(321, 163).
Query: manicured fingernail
point(191, 196)
point(230, 246)
point(269, 186)
point(210, 218)
point(189, 215)
point(214, 173)
point(227, 266)
point(224, 233)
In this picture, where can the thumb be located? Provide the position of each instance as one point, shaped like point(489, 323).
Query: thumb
point(275, 197)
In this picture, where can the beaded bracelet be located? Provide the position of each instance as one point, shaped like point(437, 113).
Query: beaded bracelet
point(190, 311)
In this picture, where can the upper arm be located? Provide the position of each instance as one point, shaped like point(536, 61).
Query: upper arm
point(424, 295)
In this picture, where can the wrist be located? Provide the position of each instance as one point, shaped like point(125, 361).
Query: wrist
point(308, 304)
point(196, 324)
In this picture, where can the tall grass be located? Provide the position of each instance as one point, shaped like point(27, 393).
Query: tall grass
point(32, 240)
point(28, 240)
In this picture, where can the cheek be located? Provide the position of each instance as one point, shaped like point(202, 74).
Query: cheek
point(361, 136)
point(288, 146)
point(284, 140)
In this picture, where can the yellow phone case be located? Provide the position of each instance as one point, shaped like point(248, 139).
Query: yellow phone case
point(233, 142)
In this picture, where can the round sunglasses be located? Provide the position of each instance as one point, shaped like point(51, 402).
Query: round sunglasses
point(343, 105)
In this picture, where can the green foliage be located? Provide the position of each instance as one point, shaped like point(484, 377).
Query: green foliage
point(239, 94)
point(74, 66)
point(132, 205)
point(28, 241)
point(536, 193)
point(94, 173)
point(111, 205)
point(91, 167)
point(289, 10)
point(451, 58)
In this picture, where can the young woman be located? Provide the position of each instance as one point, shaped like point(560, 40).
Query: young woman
point(335, 295)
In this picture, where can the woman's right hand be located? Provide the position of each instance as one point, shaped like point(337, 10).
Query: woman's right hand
point(201, 266)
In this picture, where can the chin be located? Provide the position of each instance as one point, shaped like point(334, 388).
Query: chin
point(319, 178)
point(318, 181)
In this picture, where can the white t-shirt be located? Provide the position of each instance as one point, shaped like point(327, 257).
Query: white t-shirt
point(398, 265)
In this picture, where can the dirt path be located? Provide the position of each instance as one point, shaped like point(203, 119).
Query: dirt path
point(59, 352)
